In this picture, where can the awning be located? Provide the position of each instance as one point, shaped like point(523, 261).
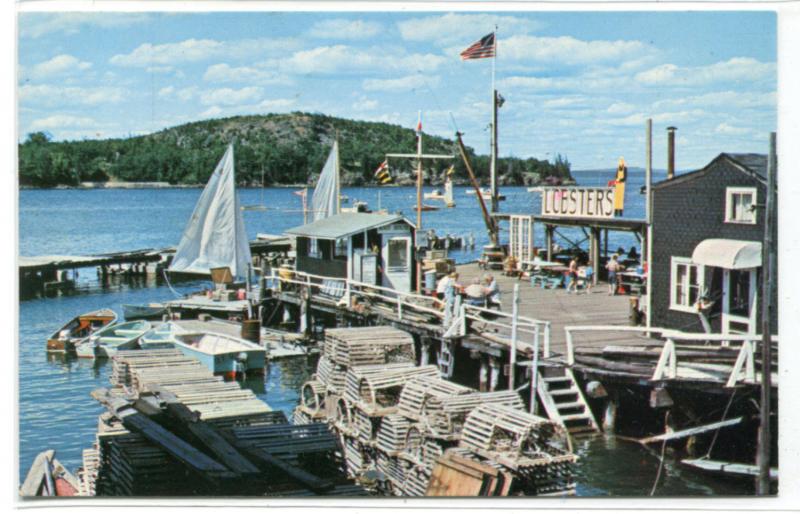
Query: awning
point(728, 254)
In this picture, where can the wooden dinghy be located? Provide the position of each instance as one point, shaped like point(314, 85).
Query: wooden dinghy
point(149, 311)
point(107, 341)
point(48, 477)
point(66, 338)
point(222, 354)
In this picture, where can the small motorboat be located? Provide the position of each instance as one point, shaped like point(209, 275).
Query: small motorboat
point(79, 328)
point(486, 193)
point(163, 336)
point(107, 341)
point(436, 194)
point(222, 354)
point(425, 208)
point(149, 311)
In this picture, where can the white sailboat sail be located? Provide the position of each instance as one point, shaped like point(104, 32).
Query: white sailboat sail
point(325, 200)
point(215, 236)
point(448, 192)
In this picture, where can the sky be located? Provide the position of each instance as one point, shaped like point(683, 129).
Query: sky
point(579, 84)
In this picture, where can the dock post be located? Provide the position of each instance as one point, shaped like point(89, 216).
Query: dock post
point(483, 375)
point(548, 234)
point(513, 354)
point(610, 414)
point(767, 277)
point(494, 373)
point(534, 371)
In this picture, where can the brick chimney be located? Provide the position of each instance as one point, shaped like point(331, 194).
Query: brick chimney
point(671, 152)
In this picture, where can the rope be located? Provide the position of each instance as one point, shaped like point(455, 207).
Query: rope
point(166, 278)
point(661, 459)
point(716, 432)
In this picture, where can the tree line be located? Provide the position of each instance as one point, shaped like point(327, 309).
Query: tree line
point(281, 148)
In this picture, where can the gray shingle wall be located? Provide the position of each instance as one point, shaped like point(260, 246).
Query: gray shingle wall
point(684, 214)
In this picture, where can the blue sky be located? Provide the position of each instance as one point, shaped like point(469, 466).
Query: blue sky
point(577, 83)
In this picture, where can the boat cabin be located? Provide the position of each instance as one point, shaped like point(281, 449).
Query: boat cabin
point(707, 235)
point(372, 248)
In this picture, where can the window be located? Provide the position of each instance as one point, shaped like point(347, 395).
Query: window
point(313, 248)
point(686, 284)
point(398, 254)
point(340, 249)
point(739, 202)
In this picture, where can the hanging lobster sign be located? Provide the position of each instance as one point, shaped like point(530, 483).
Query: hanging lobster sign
point(578, 202)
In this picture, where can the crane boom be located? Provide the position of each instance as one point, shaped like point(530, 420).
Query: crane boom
point(491, 223)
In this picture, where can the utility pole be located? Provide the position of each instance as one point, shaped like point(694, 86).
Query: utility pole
point(418, 157)
point(493, 161)
point(767, 279)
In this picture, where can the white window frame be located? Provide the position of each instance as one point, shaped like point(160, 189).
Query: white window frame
point(729, 193)
point(673, 277)
point(313, 248)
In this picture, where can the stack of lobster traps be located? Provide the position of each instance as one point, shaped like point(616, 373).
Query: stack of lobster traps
point(411, 433)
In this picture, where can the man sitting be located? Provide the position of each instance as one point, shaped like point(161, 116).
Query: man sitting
point(492, 291)
point(475, 293)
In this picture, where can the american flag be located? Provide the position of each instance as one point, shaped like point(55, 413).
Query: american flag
point(480, 49)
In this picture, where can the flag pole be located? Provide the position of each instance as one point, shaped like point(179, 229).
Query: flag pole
point(493, 160)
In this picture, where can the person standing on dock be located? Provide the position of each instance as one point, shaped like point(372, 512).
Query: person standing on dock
point(613, 268)
point(573, 275)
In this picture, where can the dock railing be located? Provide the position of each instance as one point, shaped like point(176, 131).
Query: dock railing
point(713, 347)
point(400, 302)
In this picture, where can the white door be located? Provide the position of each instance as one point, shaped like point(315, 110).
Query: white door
point(520, 235)
point(739, 301)
point(396, 255)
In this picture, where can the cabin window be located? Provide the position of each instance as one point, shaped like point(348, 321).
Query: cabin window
point(398, 254)
point(739, 205)
point(340, 249)
point(686, 284)
point(313, 248)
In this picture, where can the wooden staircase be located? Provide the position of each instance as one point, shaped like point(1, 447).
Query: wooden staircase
point(563, 400)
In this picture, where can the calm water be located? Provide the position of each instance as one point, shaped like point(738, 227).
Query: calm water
point(55, 409)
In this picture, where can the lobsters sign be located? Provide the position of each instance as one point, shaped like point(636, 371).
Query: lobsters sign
point(578, 202)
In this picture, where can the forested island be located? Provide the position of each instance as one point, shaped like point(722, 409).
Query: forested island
point(278, 149)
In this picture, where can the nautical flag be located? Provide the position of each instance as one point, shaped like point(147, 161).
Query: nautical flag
point(419, 123)
point(480, 49)
point(382, 173)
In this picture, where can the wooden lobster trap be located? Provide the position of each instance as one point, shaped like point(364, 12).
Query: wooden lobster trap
point(312, 400)
point(393, 469)
point(350, 347)
point(376, 389)
point(445, 416)
point(331, 375)
point(515, 438)
point(420, 450)
point(424, 395)
point(391, 438)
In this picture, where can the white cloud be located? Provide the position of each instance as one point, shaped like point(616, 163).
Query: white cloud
point(693, 115)
point(724, 128)
point(34, 25)
point(197, 50)
point(407, 83)
point(569, 50)
point(224, 73)
point(159, 69)
point(344, 29)
point(166, 91)
point(211, 112)
point(620, 108)
point(365, 104)
point(277, 104)
point(57, 121)
point(733, 70)
point(55, 95)
point(342, 59)
point(62, 64)
point(228, 96)
point(724, 99)
point(464, 29)
point(186, 93)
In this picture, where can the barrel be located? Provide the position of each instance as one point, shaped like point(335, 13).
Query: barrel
point(430, 280)
point(251, 330)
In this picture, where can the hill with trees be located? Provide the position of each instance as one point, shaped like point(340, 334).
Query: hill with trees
point(284, 148)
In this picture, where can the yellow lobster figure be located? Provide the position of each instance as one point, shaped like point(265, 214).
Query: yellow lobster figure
point(619, 187)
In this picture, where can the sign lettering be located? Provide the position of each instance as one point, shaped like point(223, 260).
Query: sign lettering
point(578, 202)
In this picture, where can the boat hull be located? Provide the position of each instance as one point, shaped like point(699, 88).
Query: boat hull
point(132, 312)
point(227, 364)
point(78, 329)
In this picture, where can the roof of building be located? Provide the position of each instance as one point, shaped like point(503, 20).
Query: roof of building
point(753, 164)
point(345, 224)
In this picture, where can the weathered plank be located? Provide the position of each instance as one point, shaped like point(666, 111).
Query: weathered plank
point(670, 436)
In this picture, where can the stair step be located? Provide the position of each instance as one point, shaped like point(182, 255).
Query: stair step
point(569, 405)
point(581, 429)
point(574, 417)
point(556, 379)
point(563, 392)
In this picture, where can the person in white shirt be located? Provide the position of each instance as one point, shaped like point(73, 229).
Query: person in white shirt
point(492, 290)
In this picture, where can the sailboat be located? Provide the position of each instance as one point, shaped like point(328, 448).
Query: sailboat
point(326, 199)
point(215, 236)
